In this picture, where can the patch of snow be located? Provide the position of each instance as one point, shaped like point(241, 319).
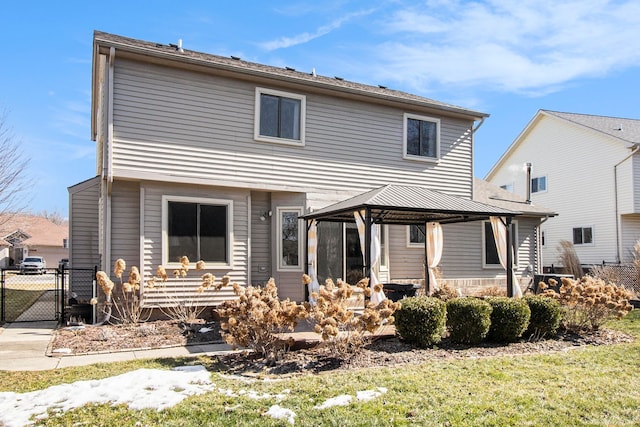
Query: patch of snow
point(370, 394)
point(63, 350)
point(205, 330)
point(140, 389)
point(342, 400)
point(281, 413)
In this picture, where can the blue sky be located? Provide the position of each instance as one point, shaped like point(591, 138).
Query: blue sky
point(506, 58)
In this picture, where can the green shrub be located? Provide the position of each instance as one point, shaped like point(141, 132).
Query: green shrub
point(509, 318)
point(468, 320)
point(546, 314)
point(421, 320)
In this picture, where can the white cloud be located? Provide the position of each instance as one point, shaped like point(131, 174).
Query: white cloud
point(285, 42)
point(527, 47)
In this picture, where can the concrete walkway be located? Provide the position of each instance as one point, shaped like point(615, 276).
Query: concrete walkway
point(23, 347)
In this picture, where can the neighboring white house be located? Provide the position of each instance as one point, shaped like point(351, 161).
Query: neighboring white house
point(587, 169)
point(217, 158)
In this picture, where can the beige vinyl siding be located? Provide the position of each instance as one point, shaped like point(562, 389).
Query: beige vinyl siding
point(125, 224)
point(260, 238)
point(462, 252)
point(84, 246)
point(177, 125)
point(185, 288)
point(578, 164)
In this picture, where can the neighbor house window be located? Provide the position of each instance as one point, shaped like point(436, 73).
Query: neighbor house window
point(582, 235)
point(201, 229)
point(415, 236)
point(421, 137)
point(289, 241)
point(539, 184)
point(490, 251)
point(279, 116)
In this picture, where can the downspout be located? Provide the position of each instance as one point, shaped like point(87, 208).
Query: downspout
point(615, 192)
point(108, 173)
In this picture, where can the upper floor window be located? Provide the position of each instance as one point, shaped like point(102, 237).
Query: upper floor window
point(539, 184)
point(582, 235)
point(279, 116)
point(289, 243)
point(201, 229)
point(416, 235)
point(421, 137)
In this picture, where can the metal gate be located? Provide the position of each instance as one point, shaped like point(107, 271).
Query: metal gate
point(31, 297)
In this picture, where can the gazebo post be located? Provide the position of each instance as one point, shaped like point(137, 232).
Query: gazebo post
point(509, 257)
point(367, 243)
point(427, 279)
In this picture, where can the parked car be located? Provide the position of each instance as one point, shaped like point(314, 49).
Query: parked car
point(63, 264)
point(33, 264)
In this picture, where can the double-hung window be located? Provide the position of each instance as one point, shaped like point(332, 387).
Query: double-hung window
point(289, 240)
point(421, 138)
point(201, 229)
point(539, 184)
point(279, 117)
point(583, 235)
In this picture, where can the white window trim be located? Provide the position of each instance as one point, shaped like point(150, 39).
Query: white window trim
point(546, 184)
point(410, 244)
point(383, 230)
point(202, 200)
point(299, 211)
point(593, 236)
point(303, 115)
point(404, 138)
point(484, 248)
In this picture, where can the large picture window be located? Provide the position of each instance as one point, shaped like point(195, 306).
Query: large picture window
point(490, 251)
point(279, 116)
point(198, 228)
point(289, 241)
point(421, 137)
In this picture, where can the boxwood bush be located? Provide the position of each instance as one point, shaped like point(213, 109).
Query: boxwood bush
point(546, 314)
point(468, 320)
point(421, 320)
point(509, 318)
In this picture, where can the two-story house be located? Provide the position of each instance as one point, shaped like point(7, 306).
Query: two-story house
point(218, 159)
point(587, 169)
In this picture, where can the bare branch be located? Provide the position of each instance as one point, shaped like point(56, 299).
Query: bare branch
point(14, 185)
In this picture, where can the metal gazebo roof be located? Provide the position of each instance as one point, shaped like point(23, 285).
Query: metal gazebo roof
point(407, 205)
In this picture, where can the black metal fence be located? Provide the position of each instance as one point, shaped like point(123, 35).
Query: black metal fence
point(41, 297)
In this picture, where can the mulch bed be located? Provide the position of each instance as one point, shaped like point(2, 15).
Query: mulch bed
point(389, 352)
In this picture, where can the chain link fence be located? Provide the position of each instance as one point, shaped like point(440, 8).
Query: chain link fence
point(30, 297)
point(57, 294)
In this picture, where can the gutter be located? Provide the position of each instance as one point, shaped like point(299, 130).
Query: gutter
point(635, 149)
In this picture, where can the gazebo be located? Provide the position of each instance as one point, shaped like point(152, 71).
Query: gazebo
point(411, 205)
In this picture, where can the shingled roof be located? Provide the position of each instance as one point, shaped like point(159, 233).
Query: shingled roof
point(625, 129)
point(40, 231)
point(104, 41)
point(485, 192)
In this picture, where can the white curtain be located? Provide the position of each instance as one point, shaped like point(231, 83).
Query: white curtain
point(376, 297)
point(500, 236)
point(435, 243)
point(312, 259)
